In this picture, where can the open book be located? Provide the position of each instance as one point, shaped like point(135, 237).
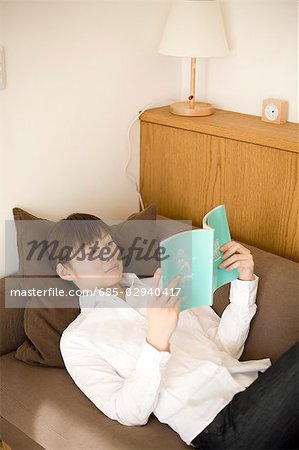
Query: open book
point(195, 255)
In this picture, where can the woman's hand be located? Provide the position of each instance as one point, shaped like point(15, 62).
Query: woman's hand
point(162, 313)
point(241, 260)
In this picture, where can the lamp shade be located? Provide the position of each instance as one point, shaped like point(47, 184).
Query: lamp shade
point(194, 28)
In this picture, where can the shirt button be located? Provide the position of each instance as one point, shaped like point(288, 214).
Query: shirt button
point(206, 431)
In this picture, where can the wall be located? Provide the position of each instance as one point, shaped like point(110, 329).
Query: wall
point(78, 72)
point(263, 59)
point(77, 75)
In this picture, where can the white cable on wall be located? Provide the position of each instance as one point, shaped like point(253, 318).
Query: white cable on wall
point(127, 162)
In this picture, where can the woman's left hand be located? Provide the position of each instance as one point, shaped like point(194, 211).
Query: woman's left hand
point(241, 259)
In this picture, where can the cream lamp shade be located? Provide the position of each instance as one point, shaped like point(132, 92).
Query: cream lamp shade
point(194, 29)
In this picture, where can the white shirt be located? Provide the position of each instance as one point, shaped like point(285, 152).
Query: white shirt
point(106, 354)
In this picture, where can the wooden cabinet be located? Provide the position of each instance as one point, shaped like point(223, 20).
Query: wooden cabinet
point(189, 165)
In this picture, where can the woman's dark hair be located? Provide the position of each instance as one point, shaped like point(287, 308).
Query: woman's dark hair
point(71, 233)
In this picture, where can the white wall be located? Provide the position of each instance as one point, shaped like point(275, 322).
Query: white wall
point(79, 71)
point(77, 75)
point(262, 63)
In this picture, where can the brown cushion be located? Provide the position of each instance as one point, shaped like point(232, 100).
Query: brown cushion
point(139, 241)
point(11, 319)
point(30, 228)
point(44, 320)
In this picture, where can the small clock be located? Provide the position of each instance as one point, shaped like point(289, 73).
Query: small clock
point(274, 110)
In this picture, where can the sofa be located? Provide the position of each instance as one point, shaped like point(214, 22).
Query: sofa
point(42, 408)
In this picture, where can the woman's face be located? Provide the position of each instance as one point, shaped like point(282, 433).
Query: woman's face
point(101, 265)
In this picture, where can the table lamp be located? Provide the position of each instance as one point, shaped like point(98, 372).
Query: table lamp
point(194, 28)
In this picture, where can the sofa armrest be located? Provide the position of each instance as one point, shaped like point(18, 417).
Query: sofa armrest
point(12, 333)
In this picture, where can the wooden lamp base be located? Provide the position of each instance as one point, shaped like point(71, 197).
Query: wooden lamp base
point(185, 109)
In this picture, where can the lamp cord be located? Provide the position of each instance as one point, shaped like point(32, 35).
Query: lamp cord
point(129, 149)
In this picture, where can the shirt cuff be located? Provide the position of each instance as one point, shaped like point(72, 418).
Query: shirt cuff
point(242, 292)
point(150, 359)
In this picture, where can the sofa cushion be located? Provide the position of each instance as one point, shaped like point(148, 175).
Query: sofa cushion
point(47, 406)
point(274, 328)
point(44, 319)
point(16, 438)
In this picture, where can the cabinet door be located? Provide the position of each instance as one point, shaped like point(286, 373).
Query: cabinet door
point(261, 189)
point(187, 173)
point(179, 171)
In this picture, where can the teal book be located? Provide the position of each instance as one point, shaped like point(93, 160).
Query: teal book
point(195, 255)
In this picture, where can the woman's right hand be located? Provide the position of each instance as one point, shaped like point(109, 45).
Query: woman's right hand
point(162, 313)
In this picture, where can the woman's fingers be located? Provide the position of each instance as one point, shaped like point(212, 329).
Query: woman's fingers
point(233, 247)
point(234, 258)
point(174, 282)
point(237, 265)
point(169, 297)
point(174, 301)
point(156, 278)
point(163, 299)
point(170, 290)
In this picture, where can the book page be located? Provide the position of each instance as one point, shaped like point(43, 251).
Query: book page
point(216, 219)
point(190, 254)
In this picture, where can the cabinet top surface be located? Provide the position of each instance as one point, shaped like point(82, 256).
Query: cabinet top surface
point(233, 125)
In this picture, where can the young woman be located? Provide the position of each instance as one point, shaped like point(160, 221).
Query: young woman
point(132, 352)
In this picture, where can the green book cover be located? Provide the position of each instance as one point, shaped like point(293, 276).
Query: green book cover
point(195, 254)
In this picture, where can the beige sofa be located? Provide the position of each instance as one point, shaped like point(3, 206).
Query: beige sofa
point(42, 408)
